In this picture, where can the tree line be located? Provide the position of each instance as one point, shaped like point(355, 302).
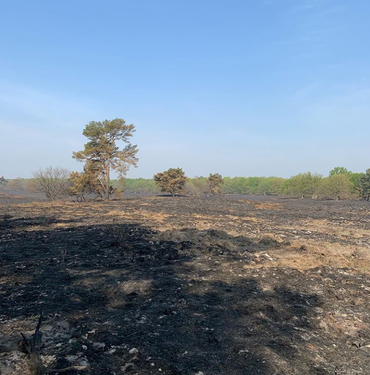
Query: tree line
point(340, 184)
point(102, 154)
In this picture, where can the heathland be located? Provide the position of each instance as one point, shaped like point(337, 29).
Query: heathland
point(229, 285)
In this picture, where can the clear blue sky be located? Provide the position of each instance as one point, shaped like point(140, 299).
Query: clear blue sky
point(239, 87)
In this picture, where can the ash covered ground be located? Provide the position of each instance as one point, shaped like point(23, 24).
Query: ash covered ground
point(161, 285)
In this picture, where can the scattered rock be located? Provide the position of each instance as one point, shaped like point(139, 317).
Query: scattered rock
point(134, 351)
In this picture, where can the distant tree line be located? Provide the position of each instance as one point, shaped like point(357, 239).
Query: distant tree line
point(57, 182)
point(340, 184)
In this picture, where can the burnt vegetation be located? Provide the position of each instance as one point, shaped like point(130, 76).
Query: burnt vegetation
point(171, 181)
point(218, 285)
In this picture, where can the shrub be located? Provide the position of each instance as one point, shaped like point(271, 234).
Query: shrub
point(53, 182)
point(171, 181)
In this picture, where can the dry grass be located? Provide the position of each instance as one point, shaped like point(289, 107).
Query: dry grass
point(301, 252)
point(263, 205)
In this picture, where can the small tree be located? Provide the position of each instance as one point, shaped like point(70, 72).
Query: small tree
point(215, 182)
point(87, 182)
point(81, 184)
point(337, 186)
point(53, 182)
point(303, 185)
point(171, 181)
point(102, 154)
point(78, 186)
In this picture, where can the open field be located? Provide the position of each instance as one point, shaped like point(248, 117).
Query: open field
point(158, 285)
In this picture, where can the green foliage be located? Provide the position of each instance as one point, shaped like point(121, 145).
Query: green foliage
point(253, 185)
point(355, 178)
point(363, 186)
point(339, 170)
point(171, 181)
point(337, 186)
point(138, 185)
point(269, 185)
point(235, 185)
point(215, 182)
point(102, 154)
point(302, 185)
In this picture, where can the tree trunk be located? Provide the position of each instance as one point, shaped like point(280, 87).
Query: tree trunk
point(107, 178)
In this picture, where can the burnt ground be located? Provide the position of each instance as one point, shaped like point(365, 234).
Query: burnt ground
point(226, 285)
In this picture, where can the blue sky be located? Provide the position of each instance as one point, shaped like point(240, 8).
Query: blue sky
point(238, 87)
